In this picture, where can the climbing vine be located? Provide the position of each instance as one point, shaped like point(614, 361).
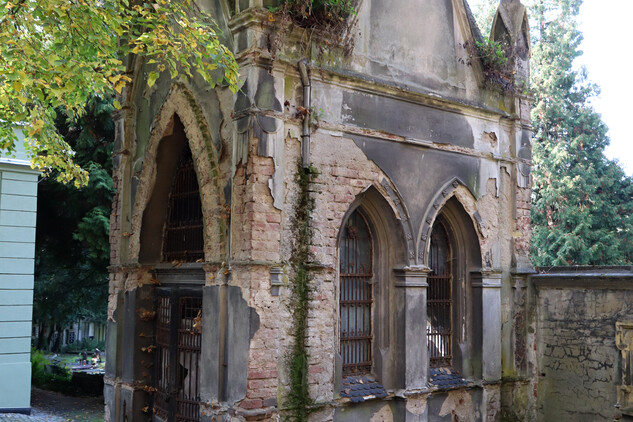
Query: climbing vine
point(298, 401)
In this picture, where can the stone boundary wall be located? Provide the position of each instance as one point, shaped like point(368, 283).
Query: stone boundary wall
point(579, 364)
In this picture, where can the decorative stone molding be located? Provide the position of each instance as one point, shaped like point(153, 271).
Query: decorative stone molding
point(432, 212)
point(404, 219)
point(182, 103)
point(413, 276)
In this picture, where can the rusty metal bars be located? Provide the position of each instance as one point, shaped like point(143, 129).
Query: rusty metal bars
point(163, 320)
point(189, 348)
point(177, 358)
point(439, 329)
point(356, 297)
point(183, 237)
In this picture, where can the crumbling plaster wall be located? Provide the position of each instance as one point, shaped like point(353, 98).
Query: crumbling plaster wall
point(143, 120)
point(407, 141)
point(419, 44)
point(579, 365)
point(345, 171)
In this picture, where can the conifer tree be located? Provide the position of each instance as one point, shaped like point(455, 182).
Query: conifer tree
point(582, 202)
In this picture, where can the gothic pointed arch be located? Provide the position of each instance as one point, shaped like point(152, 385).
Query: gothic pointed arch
point(453, 308)
point(452, 189)
point(371, 244)
point(177, 128)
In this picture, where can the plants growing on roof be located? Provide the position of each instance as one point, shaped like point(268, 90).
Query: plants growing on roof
point(316, 13)
point(331, 19)
point(496, 60)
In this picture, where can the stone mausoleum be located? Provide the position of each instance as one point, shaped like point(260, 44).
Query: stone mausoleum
point(399, 166)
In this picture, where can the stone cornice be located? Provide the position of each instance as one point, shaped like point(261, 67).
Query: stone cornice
point(413, 276)
point(487, 278)
point(615, 280)
point(346, 78)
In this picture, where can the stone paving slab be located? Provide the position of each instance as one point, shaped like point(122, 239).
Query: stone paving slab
point(49, 406)
point(35, 416)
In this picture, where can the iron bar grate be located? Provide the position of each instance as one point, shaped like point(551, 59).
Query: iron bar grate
point(439, 329)
point(183, 238)
point(356, 297)
point(178, 350)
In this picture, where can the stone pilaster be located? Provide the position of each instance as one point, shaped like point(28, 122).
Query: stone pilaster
point(490, 284)
point(414, 280)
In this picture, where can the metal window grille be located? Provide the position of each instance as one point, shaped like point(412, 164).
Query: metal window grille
point(356, 297)
point(178, 342)
point(439, 328)
point(183, 238)
point(189, 347)
point(163, 319)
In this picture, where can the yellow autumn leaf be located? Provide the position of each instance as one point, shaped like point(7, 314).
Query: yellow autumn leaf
point(151, 78)
point(114, 79)
point(37, 127)
point(118, 87)
point(17, 85)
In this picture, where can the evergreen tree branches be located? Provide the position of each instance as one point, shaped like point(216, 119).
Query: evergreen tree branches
point(582, 202)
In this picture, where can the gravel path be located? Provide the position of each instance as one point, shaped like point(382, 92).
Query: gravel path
point(49, 406)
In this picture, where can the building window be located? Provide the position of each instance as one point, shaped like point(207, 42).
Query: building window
point(356, 297)
point(439, 326)
point(183, 237)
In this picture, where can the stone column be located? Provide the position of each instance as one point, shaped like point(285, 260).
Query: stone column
point(490, 284)
point(414, 280)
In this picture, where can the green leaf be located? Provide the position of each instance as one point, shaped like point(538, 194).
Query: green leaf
point(56, 56)
point(151, 78)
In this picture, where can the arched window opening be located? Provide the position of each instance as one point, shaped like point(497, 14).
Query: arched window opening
point(183, 236)
point(356, 296)
point(439, 326)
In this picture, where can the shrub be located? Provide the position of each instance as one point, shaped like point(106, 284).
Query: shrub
point(49, 376)
point(85, 344)
point(328, 15)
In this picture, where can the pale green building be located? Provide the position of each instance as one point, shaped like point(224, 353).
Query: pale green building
point(18, 209)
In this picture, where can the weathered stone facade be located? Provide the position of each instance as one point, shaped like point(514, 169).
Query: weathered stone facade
point(583, 343)
point(404, 131)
